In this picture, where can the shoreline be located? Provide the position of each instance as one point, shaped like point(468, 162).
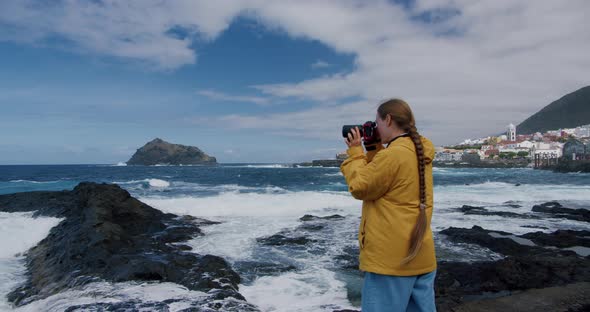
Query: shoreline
point(545, 260)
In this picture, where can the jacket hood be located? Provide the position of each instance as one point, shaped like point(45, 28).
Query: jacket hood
point(427, 146)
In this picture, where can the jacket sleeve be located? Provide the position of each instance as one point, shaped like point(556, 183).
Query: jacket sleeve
point(368, 180)
point(371, 154)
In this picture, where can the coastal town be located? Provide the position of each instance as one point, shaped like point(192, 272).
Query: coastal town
point(535, 149)
point(565, 149)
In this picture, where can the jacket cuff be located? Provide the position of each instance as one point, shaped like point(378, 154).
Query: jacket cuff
point(355, 151)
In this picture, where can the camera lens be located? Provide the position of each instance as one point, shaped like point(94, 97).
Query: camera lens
point(348, 128)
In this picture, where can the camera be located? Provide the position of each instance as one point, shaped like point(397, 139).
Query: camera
point(367, 129)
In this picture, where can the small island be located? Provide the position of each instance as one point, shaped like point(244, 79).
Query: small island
point(160, 152)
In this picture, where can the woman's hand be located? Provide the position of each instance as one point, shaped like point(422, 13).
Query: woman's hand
point(354, 138)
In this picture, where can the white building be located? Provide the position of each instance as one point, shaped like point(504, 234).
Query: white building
point(449, 155)
point(582, 131)
point(525, 144)
point(473, 141)
point(552, 149)
point(511, 133)
point(569, 131)
point(551, 153)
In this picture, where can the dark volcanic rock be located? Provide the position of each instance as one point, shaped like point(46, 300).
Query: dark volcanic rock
point(526, 265)
point(136, 305)
point(197, 221)
point(312, 227)
point(349, 259)
point(109, 235)
point(534, 227)
point(560, 238)
point(43, 203)
point(250, 270)
point(473, 210)
point(458, 282)
point(467, 208)
point(571, 298)
point(313, 218)
point(159, 151)
point(512, 204)
point(279, 240)
point(498, 241)
point(556, 210)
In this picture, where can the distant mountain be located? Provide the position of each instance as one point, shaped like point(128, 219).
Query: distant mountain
point(158, 151)
point(570, 111)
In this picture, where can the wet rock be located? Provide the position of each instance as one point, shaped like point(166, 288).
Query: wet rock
point(527, 265)
point(560, 238)
point(108, 235)
point(535, 227)
point(497, 241)
point(571, 298)
point(250, 270)
point(131, 305)
point(556, 210)
point(312, 227)
point(164, 306)
point(197, 221)
point(473, 210)
point(349, 258)
point(313, 218)
point(467, 208)
point(313, 223)
point(42, 203)
point(279, 240)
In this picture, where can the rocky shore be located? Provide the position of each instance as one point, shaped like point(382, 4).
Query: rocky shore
point(553, 265)
point(107, 235)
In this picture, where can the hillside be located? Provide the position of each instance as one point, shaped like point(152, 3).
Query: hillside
point(570, 111)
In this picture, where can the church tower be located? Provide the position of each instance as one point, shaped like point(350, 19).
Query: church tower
point(511, 133)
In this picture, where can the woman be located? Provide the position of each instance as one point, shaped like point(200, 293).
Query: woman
point(395, 184)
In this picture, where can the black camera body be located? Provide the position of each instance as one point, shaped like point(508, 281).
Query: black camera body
point(367, 130)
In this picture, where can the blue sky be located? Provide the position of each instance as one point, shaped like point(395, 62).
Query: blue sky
point(257, 81)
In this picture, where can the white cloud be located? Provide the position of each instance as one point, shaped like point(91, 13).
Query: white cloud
point(136, 29)
point(465, 74)
point(220, 96)
point(497, 62)
point(322, 122)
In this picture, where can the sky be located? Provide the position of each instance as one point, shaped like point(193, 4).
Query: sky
point(89, 82)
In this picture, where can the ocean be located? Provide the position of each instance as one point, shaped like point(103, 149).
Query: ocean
point(258, 200)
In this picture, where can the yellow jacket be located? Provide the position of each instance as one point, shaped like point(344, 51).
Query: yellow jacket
point(386, 180)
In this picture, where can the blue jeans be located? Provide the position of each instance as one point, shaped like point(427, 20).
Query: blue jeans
point(398, 293)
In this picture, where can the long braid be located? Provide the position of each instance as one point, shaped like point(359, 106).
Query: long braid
point(401, 113)
point(421, 224)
